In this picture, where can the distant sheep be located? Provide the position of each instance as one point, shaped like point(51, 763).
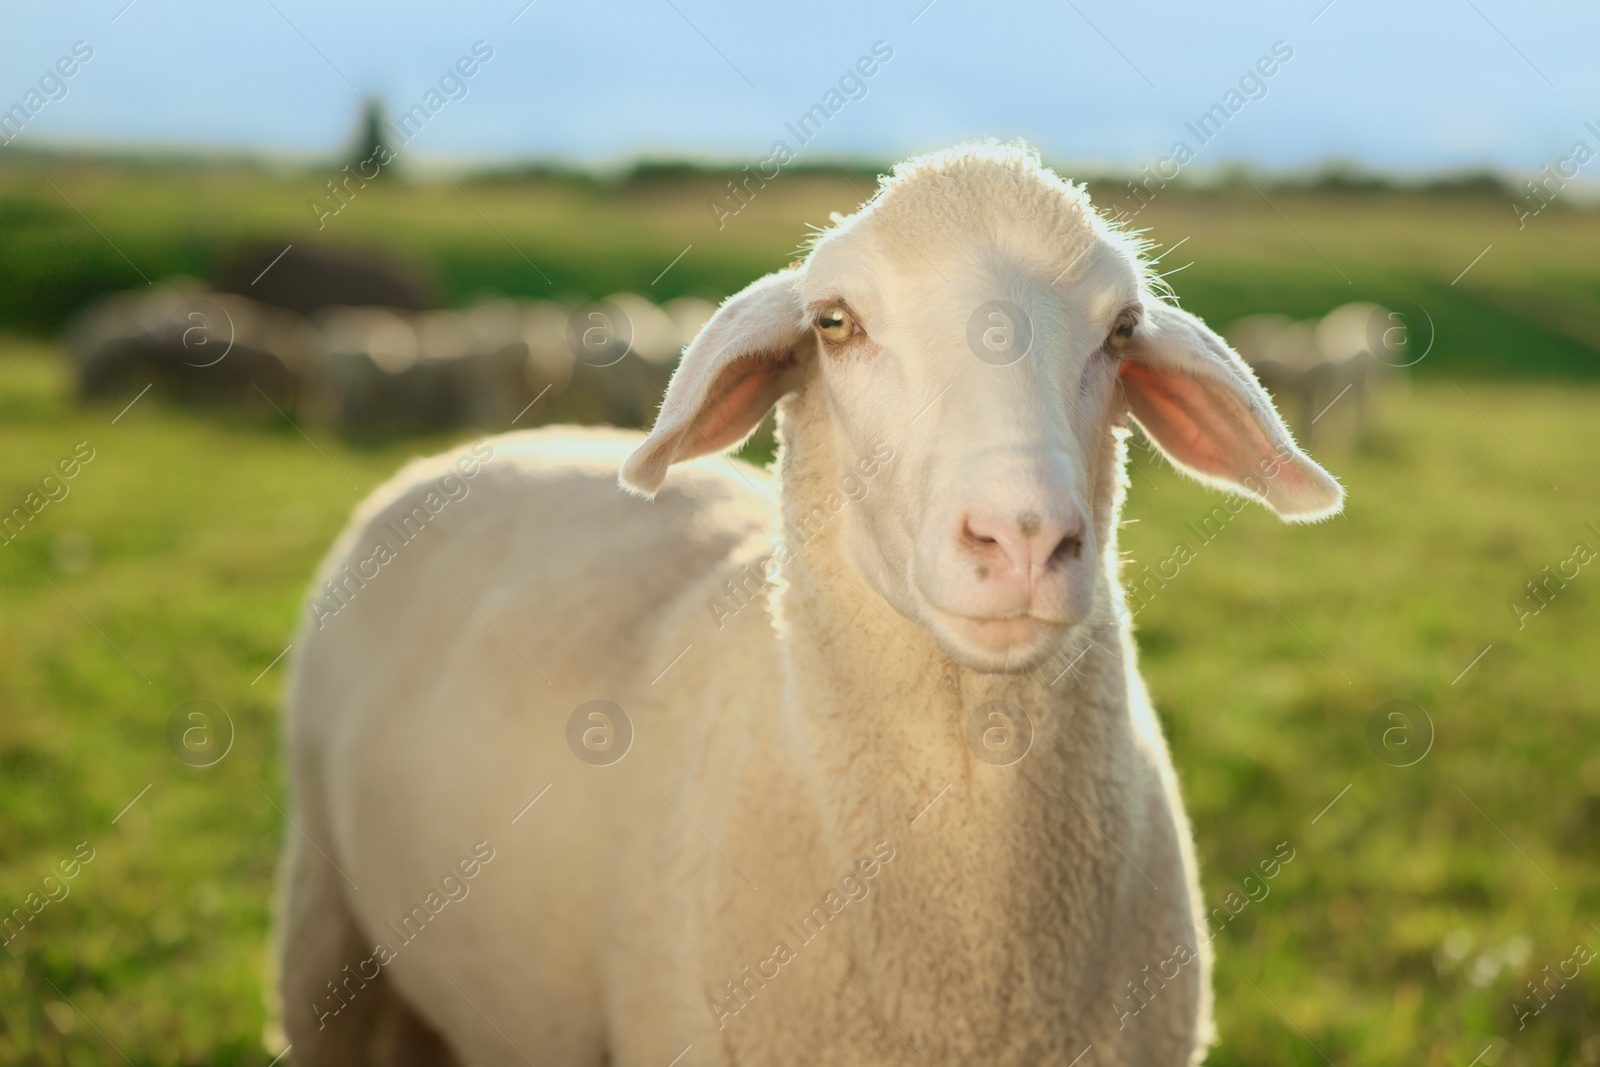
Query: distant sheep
point(192, 344)
point(1307, 366)
point(822, 840)
point(377, 369)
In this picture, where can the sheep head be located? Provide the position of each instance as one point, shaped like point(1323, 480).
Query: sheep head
point(982, 320)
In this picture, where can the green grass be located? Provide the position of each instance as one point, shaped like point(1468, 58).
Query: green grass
point(185, 545)
point(1267, 692)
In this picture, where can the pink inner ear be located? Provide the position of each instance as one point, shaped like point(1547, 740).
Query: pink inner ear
point(742, 394)
point(1205, 427)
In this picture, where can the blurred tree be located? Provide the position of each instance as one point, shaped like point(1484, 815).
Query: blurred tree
point(371, 134)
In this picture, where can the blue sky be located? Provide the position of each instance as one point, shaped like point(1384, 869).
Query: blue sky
point(1420, 86)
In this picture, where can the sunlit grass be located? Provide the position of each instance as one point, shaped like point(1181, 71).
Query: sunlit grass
point(1413, 912)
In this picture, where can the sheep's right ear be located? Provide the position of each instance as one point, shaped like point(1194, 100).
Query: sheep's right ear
point(738, 366)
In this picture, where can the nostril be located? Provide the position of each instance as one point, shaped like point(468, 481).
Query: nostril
point(1070, 545)
point(971, 536)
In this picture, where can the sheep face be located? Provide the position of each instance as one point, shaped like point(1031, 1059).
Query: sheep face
point(979, 321)
point(994, 385)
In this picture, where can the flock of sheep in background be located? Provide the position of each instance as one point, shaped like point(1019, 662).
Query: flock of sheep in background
point(350, 342)
point(1308, 366)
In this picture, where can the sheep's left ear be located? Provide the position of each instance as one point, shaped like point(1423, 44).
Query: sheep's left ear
point(1200, 403)
point(736, 368)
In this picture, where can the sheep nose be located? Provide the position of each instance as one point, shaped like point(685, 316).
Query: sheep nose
point(1018, 550)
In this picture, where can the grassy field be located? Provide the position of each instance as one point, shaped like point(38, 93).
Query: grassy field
point(1414, 910)
point(1420, 899)
point(1529, 307)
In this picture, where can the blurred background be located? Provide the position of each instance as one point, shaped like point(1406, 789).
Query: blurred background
point(254, 257)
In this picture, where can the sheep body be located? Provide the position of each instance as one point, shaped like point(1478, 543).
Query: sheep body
point(396, 774)
point(606, 920)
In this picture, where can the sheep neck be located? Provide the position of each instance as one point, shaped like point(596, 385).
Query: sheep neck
point(883, 715)
point(876, 721)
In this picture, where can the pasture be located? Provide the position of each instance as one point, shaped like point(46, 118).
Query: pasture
point(1420, 900)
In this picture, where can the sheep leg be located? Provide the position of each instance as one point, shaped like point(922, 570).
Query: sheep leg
point(339, 1008)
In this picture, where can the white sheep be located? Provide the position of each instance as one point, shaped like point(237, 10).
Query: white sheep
point(852, 821)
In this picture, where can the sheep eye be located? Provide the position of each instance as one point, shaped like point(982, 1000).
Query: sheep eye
point(1122, 332)
point(835, 324)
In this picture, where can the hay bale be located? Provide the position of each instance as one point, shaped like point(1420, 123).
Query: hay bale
point(310, 277)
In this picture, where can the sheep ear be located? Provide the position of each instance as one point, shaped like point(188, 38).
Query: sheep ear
point(1200, 403)
point(738, 366)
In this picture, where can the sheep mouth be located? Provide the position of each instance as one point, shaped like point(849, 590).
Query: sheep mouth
point(992, 644)
point(1017, 639)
